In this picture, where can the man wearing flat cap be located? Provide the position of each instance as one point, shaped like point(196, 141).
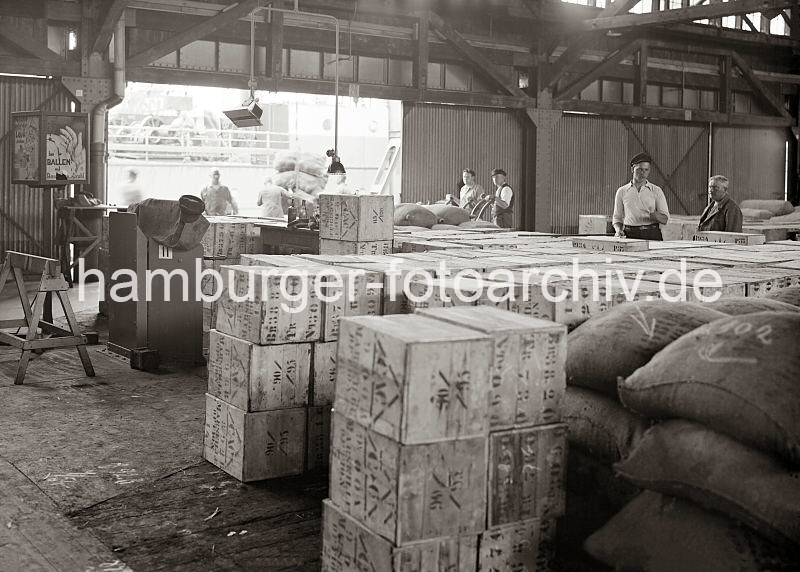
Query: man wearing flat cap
point(640, 206)
point(503, 200)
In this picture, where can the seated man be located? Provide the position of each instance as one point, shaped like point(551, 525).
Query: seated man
point(722, 213)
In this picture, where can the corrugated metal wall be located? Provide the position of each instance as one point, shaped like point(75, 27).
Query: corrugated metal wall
point(21, 208)
point(680, 161)
point(753, 159)
point(440, 141)
point(589, 163)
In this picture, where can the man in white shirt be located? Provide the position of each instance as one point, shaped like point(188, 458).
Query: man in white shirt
point(640, 207)
point(503, 199)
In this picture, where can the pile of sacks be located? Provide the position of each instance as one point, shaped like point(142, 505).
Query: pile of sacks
point(773, 210)
point(303, 174)
point(435, 217)
point(684, 424)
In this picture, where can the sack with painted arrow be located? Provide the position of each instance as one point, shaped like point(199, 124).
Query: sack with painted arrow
point(739, 306)
point(617, 342)
point(739, 375)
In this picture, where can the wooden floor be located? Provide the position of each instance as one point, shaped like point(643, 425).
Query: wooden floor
point(106, 472)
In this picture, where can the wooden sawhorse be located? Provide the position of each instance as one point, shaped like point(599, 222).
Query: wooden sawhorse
point(52, 281)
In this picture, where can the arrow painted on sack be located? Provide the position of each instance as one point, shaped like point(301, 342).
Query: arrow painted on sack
point(649, 328)
point(708, 353)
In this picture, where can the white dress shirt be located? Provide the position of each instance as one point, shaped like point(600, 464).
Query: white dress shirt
point(633, 207)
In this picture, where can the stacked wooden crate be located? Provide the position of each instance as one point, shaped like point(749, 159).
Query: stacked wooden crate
point(446, 453)
point(225, 240)
point(259, 374)
point(356, 224)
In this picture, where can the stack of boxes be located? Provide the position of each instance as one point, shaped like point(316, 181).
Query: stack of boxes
point(356, 224)
point(446, 451)
point(225, 240)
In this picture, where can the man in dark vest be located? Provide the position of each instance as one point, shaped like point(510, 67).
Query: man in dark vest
point(722, 213)
point(503, 207)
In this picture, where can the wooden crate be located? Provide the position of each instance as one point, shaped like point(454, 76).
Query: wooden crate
point(348, 545)
point(729, 237)
point(323, 372)
point(413, 378)
point(254, 446)
point(371, 247)
point(258, 378)
point(525, 546)
point(408, 492)
point(264, 319)
point(528, 375)
point(318, 438)
point(356, 217)
point(228, 237)
point(444, 293)
point(610, 244)
point(595, 224)
point(358, 292)
point(207, 283)
point(527, 469)
point(278, 260)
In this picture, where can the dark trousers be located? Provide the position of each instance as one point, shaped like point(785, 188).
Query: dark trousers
point(649, 232)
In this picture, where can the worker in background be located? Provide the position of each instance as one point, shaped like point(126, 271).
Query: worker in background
point(131, 191)
point(722, 212)
point(502, 200)
point(470, 192)
point(270, 199)
point(218, 198)
point(640, 207)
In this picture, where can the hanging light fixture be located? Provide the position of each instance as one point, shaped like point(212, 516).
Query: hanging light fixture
point(249, 115)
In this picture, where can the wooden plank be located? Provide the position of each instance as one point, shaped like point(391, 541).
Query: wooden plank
point(31, 264)
point(347, 545)
point(528, 365)
point(106, 24)
point(421, 59)
point(527, 468)
point(225, 17)
point(762, 92)
point(254, 446)
point(412, 378)
point(258, 378)
point(675, 15)
point(35, 536)
point(407, 493)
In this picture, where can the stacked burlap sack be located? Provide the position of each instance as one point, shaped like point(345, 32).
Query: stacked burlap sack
point(721, 397)
point(436, 217)
point(304, 174)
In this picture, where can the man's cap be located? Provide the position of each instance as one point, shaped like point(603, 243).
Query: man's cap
point(641, 158)
point(215, 170)
point(499, 172)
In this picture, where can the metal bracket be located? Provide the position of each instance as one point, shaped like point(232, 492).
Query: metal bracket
point(89, 90)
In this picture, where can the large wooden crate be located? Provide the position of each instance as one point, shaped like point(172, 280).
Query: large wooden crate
point(413, 378)
point(527, 469)
point(364, 247)
point(610, 244)
point(347, 546)
point(408, 492)
point(208, 284)
point(450, 292)
point(228, 237)
point(729, 237)
point(323, 373)
point(356, 217)
point(318, 438)
point(349, 292)
point(528, 376)
point(525, 546)
point(258, 378)
point(254, 446)
point(269, 317)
